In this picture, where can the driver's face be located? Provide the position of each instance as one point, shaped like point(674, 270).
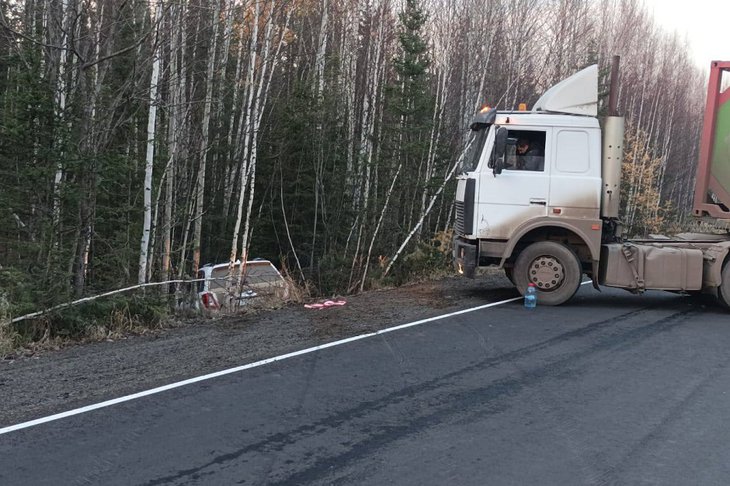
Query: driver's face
point(522, 148)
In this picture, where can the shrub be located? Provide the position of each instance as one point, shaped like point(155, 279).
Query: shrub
point(19, 292)
point(332, 274)
point(99, 319)
point(427, 260)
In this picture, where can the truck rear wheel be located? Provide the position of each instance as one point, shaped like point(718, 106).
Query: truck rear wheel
point(552, 267)
point(724, 290)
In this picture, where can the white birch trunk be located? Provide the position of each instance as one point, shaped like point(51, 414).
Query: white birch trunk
point(377, 227)
point(362, 162)
point(448, 177)
point(222, 117)
point(183, 133)
point(236, 125)
point(318, 164)
point(349, 67)
point(268, 63)
point(200, 188)
point(236, 119)
point(371, 96)
point(434, 136)
point(61, 107)
point(96, 136)
point(243, 144)
point(322, 49)
point(149, 157)
point(177, 88)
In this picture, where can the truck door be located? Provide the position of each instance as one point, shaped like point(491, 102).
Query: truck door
point(521, 191)
point(575, 182)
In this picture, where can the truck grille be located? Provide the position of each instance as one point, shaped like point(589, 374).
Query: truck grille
point(459, 223)
point(464, 224)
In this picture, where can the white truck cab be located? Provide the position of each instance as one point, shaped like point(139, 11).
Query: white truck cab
point(539, 196)
point(537, 208)
point(509, 198)
point(566, 185)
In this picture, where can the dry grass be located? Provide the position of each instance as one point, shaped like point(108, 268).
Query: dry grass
point(295, 293)
point(8, 336)
point(119, 324)
point(53, 332)
point(7, 340)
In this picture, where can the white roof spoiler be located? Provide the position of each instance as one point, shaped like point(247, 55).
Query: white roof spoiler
point(576, 95)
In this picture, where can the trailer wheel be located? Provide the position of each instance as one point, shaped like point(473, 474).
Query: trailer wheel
point(552, 267)
point(724, 290)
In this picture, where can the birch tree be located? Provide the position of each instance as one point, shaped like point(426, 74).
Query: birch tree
point(299, 131)
point(150, 152)
point(203, 154)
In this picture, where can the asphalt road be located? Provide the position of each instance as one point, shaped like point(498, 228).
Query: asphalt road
point(611, 389)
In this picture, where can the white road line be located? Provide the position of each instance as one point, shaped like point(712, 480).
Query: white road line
point(263, 362)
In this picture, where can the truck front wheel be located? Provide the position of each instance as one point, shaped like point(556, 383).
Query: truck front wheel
point(552, 267)
point(724, 290)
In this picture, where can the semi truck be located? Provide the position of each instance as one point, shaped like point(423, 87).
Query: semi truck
point(539, 196)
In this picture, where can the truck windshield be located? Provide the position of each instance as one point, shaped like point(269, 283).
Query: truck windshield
point(474, 149)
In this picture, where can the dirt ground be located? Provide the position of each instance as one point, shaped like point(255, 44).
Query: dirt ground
point(56, 381)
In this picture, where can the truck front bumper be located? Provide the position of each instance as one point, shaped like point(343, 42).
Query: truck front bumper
point(465, 257)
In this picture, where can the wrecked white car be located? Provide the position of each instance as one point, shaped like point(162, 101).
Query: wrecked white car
point(220, 286)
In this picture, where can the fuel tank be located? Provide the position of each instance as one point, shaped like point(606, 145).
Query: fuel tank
point(640, 267)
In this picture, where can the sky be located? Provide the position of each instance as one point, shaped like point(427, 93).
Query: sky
point(706, 24)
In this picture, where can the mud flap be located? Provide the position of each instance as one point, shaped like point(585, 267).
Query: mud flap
point(594, 275)
point(465, 258)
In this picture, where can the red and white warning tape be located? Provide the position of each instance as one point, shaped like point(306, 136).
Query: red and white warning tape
point(326, 303)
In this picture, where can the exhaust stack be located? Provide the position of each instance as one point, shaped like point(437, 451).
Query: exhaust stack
point(613, 146)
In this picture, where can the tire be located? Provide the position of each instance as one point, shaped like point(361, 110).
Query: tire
point(553, 267)
point(723, 293)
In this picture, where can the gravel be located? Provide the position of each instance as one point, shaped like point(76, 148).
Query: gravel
point(55, 381)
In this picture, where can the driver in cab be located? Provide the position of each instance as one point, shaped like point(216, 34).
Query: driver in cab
point(529, 156)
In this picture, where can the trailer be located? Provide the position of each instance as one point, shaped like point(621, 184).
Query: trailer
point(540, 192)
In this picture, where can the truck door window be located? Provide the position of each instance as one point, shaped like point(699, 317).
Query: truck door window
point(474, 153)
point(526, 150)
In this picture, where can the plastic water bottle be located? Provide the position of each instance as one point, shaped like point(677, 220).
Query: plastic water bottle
point(531, 296)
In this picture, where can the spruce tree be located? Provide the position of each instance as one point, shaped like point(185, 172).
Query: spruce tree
point(411, 106)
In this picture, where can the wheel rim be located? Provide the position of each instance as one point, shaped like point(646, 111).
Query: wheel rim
point(546, 272)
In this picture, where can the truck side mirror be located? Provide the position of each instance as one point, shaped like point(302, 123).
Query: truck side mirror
point(500, 145)
point(498, 166)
